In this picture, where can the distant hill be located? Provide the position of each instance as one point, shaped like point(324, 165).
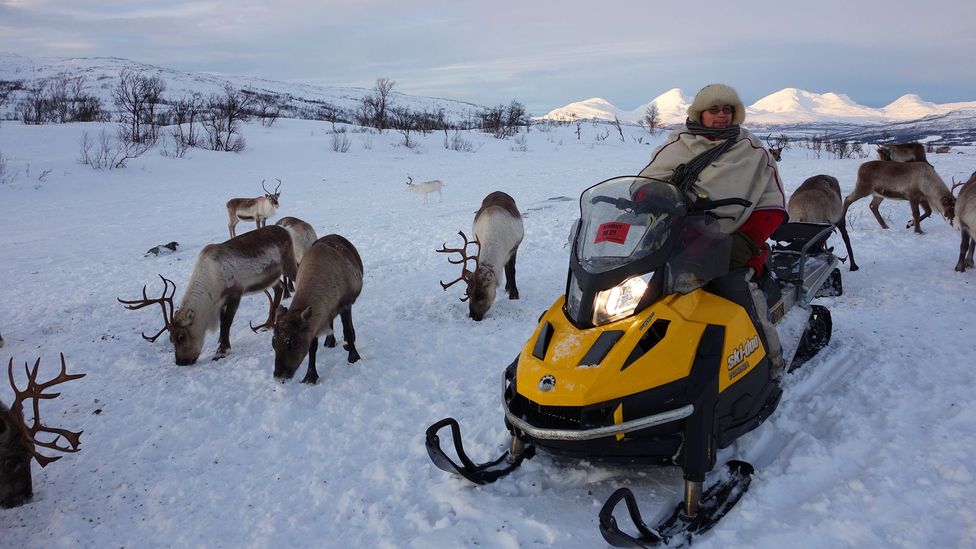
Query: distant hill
point(298, 100)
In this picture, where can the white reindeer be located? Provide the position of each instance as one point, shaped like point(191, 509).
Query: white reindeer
point(498, 232)
point(222, 275)
point(425, 188)
point(257, 209)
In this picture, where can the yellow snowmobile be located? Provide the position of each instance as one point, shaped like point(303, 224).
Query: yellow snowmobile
point(641, 361)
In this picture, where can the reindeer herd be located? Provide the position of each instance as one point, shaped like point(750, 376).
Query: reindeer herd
point(326, 276)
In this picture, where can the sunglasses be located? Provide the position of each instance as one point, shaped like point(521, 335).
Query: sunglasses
point(727, 109)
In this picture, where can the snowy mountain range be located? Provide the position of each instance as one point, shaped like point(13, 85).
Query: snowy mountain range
point(789, 106)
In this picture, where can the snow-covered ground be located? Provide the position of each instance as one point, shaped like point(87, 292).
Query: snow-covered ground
point(871, 446)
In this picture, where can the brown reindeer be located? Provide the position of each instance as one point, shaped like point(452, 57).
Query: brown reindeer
point(257, 209)
point(916, 182)
point(902, 152)
point(777, 146)
point(966, 216)
point(19, 442)
point(223, 274)
point(330, 279)
point(498, 232)
point(302, 237)
point(818, 200)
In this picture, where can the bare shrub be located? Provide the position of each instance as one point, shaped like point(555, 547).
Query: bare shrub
point(520, 144)
point(108, 152)
point(457, 143)
point(340, 142)
point(651, 121)
point(5, 175)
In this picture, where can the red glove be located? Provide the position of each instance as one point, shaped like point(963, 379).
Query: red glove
point(758, 228)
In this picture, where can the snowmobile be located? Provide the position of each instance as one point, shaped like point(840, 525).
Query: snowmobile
point(640, 361)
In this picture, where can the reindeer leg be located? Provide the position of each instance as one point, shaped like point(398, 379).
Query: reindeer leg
point(231, 226)
point(928, 212)
point(349, 335)
point(875, 202)
point(312, 375)
point(915, 216)
point(842, 225)
point(226, 319)
point(330, 340)
point(969, 256)
point(963, 248)
point(510, 286)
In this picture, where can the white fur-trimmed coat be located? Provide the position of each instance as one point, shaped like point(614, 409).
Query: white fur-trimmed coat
point(744, 171)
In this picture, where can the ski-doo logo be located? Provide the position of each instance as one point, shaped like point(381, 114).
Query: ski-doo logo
point(740, 353)
point(547, 383)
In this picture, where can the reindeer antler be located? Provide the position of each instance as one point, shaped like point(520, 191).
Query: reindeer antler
point(163, 301)
point(278, 187)
point(36, 392)
point(465, 273)
point(265, 188)
point(955, 184)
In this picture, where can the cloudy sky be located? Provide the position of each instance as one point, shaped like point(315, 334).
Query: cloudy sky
point(544, 53)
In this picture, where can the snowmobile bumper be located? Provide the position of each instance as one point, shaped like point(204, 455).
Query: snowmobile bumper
point(654, 420)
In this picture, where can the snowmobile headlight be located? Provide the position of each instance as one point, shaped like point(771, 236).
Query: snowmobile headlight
point(621, 300)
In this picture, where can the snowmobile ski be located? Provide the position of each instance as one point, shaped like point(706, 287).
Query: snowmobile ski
point(678, 530)
point(483, 473)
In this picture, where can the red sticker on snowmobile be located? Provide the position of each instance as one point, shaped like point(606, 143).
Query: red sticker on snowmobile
point(612, 231)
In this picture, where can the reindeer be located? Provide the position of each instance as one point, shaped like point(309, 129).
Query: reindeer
point(259, 209)
point(818, 200)
point(302, 237)
point(223, 274)
point(916, 182)
point(425, 188)
point(19, 441)
point(498, 233)
point(942, 149)
point(902, 152)
point(966, 217)
point(330, 279)
point(777, 146)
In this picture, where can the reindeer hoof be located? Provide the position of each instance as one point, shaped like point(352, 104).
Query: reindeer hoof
point(310, 379)
point(353, 353)
point(221, 353)
point(854, 268)
point(330, 341)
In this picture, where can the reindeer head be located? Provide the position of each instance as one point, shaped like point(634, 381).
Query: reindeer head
point(481, 290)
point(949, 208)
point(19, 441)
point(480, 282)
point(272, 196)
point(290, 341)
point(187, 336)
point(777, 146)
point(884, 152)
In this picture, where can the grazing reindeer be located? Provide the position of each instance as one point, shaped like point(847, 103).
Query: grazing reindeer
point(259, 209)
point(425, 188)
point(330, 279)
point(223, 274)
point(902, 152)
point(916, 182)
point(19, 441)
point(777, 146)
point(498, 233)
point(942, 149)
point(966, 215)
point(818, 200)
point(302, 237)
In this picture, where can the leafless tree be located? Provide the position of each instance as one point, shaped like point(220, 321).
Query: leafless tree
point(651, 121)
point(620, 130)
point(138, 97)
point(223, 119)
point(186, 114)
point(267, 108)
point(34, 108)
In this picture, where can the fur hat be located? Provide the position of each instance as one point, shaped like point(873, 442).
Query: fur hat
point(717, 95)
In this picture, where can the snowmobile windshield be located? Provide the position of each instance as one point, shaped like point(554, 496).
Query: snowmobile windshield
point(624, 220)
